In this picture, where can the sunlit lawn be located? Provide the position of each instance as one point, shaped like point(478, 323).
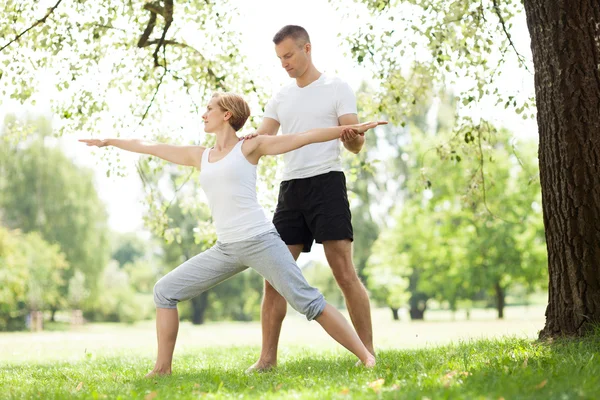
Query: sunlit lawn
point(416, 360)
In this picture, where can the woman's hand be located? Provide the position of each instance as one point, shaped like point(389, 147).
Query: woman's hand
point(95, 142)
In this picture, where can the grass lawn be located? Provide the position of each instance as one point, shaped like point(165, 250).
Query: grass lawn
point(86, 364)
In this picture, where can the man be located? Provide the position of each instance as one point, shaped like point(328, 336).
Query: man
point(313, 202)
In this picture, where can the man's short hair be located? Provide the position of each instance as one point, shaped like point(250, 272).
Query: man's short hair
point(295, 32)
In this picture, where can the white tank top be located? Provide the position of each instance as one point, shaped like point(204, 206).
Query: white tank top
point(230, 186)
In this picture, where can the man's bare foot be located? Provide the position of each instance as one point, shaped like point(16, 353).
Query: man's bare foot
point(260, 366)
point(158, 372)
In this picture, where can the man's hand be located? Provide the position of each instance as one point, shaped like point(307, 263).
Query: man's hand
point(250, 136)
point(95, 142)
point(351, 132)
point(349, 135)
point(268, 126)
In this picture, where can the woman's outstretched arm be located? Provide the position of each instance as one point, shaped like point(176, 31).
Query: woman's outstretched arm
point(273, 145)
point(182, 155)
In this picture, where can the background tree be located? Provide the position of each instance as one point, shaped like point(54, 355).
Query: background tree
point(13, 274)
point(45, 264)
point(31, 271)
point(44, 191)
point(449, 40)
point(449, 244)
point(128, 248)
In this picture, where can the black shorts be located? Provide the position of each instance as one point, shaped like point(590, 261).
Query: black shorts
point(314, 208)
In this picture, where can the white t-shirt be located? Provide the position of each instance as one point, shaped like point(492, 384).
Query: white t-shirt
point(318, 105)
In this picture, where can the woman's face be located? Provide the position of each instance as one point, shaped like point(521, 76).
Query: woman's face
point(214, 117)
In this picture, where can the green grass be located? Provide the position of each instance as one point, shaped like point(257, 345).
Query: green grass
point(508, 368)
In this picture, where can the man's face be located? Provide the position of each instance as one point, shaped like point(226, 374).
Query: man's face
point(294, 59)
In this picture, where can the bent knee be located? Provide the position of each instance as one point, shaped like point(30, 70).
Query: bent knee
point(270, 291)
point(162, 296)
point(311, 308)
point(315, 308)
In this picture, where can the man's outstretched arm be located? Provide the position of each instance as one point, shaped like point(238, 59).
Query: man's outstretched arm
point(352, 140)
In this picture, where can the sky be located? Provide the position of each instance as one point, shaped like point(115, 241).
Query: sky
point(258, 21)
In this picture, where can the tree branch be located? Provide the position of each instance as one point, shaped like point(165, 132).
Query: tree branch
point(187, 46)
point(148, 30)
point(155, 8)
point(168, 15)
point(481, 10)
point(110, 27)
point(187, 89)
point(503, 23)
point(38, 22)
point(169, 42)
point(160, 81)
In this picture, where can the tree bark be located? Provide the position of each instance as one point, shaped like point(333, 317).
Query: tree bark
point(499, 291)
point(565, 42)
point(199, 305)
point(395, 314)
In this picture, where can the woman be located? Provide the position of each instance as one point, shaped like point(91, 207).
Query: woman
point(245, 237)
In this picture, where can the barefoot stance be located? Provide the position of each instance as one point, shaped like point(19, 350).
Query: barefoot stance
point(370, 362)
point(155, 373)
point(260, 367)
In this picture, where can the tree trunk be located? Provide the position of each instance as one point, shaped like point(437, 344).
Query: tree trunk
point(566, 56)
point(395, 314)
point(499, 291)
point(418, 305)
point(76, 318)
point(37, 321)
point(199, 305)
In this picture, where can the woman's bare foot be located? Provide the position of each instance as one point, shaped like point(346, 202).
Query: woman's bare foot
point(260, 366)
point(158, 372)
point(368, 363)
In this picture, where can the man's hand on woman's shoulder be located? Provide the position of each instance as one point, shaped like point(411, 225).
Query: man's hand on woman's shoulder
point(249, 136)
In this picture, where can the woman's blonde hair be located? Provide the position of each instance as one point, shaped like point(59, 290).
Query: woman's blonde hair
point(236, 105)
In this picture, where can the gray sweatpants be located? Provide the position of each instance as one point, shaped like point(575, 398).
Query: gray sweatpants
point(266, 253)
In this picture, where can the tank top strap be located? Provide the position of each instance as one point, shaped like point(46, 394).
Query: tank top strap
point(239, 145)
point(237, 150)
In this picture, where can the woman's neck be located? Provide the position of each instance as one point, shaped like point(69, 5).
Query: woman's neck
point(226, 138)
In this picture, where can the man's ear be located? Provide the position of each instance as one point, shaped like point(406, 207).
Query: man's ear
point(307, 48)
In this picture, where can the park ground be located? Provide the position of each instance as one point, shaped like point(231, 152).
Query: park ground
point(444, 357)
